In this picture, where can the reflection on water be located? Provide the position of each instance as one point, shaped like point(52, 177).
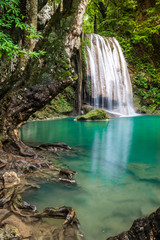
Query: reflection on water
point(118, 171)
point(111, 148)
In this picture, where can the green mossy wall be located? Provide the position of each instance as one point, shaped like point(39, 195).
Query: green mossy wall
point(62, 106)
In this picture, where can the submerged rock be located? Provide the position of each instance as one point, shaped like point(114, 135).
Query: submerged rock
point(144, 172)
point(97, 114)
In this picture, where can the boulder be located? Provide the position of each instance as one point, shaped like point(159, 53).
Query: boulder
point(97, 114)
point(10, 179)
point(87, 108)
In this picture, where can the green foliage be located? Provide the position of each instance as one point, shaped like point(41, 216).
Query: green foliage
point(64, 102)
point(147, 86)
point(62, 105)
point(10, 19)
point(56, 1)
point(88, 24)
point(141, 81)
point(84, 45)
point(92, 10)
point(121, 21)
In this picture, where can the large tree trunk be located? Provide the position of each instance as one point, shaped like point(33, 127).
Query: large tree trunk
point(29, 89)
point(32, 11)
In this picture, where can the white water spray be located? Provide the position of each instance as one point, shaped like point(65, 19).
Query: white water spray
point(108, 77)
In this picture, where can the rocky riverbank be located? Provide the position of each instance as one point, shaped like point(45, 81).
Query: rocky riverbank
point(21, 220)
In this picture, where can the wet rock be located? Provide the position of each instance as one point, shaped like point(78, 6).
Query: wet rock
point(147, 228)
point(10, 179)
point(97, 114)
point(26, 205)
point(67, 180)
point(113, 115)
point(87, 108)
point(67, 173)
point(53, 146)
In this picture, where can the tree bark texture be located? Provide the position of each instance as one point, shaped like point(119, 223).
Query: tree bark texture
point(32, 11)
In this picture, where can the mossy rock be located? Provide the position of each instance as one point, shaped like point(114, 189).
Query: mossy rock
point(97, 114)
point(61, 106)
point(10, 232)
point(87, 108)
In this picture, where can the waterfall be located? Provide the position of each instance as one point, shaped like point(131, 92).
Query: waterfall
point(108, 80)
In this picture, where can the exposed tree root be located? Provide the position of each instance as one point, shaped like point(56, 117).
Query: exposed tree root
point(25, 166)
point(14, 145)
point(18, 214)
point(27, 215)
point(53, 146)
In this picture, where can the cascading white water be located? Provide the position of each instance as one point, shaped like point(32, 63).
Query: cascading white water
point(108, 77)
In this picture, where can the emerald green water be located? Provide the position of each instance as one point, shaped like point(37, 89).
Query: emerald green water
point(118, 167)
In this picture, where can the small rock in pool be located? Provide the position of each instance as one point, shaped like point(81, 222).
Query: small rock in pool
point(97, 114)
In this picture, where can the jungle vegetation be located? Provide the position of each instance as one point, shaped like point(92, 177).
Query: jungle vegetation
point(38, 58)
point(136, 25)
